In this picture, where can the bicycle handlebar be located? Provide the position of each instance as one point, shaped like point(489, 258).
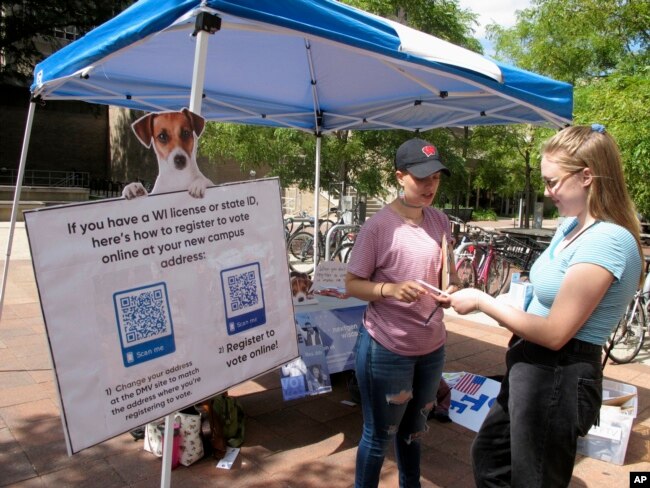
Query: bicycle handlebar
point(299, 219)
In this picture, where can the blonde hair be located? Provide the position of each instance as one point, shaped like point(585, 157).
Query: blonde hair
point(578, 147)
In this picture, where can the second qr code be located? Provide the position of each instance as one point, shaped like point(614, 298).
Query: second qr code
point(243, 298)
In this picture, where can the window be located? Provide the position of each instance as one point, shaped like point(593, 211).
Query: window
point(67, 33)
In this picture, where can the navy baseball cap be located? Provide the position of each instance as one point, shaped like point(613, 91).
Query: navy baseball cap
point(420, 158)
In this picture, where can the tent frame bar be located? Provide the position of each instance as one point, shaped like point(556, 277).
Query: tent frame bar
point(16, 203)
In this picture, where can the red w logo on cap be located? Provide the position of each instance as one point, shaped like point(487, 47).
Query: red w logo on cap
point(429, 150)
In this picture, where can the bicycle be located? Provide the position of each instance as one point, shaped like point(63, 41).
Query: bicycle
point(305, 222)
point(300, 247)
point(628, 336)
point(335, 240)
point(300, 244)
point(344, 248)
point(479, 265)
point(521, 253)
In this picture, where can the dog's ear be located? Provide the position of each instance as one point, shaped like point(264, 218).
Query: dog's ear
point(198, 122)
point(143, 129)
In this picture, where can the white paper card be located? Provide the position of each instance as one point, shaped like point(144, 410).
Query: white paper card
point(227, 461)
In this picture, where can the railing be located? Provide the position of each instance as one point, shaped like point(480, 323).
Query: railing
point(45, 178)
point(108, 188)
point(288, 205)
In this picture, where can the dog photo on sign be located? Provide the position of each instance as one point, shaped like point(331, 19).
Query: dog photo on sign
point(301, 288)
point(175, 139)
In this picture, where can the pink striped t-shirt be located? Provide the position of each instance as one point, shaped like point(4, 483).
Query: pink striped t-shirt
point(388, 249)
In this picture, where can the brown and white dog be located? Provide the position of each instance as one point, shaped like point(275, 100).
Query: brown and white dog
point(174, 136)
point(301, 286)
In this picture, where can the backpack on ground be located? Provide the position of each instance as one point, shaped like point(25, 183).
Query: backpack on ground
point(227, 422)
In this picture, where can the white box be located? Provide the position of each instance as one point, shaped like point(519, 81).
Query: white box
point(608, 441)
point(519, 294)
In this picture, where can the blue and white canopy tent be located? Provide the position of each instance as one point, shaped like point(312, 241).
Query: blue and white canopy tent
point(317, 66)
point(312, 65)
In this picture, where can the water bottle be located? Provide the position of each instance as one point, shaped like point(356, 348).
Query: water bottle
point(176, 448)
point(176, 444)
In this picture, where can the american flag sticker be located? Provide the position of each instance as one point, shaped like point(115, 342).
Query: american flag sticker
point(469, 383)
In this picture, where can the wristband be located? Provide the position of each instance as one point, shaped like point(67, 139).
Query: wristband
point(381, 290)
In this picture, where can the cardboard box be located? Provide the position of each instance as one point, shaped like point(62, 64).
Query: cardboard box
point(608, 441)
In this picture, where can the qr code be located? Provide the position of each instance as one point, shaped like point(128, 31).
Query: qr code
point(242, 290)
point(143, 313)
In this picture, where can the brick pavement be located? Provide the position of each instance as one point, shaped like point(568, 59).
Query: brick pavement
point(307, 443)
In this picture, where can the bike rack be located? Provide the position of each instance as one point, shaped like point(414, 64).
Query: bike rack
point(329, 235)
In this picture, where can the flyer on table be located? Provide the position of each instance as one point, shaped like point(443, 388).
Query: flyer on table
point(156, 303)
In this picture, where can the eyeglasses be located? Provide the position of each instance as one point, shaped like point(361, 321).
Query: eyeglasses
point(555, 183)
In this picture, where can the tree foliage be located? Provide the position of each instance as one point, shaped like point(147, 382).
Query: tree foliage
point(573, 40)
point(601, 46)
point(506, 161)
point(25, 27)
point(620, 102)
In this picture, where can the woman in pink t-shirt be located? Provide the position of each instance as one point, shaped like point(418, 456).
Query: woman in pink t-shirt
point(400, 349)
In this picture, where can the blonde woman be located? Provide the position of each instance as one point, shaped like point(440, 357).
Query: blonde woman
point(552, 390)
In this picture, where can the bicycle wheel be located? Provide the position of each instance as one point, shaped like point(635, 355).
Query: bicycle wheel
point(326, 225)
point(300, 250)
point(466, 273)
point(505, 274)
point(496, 276)
point(342, 252)
point(628, 337)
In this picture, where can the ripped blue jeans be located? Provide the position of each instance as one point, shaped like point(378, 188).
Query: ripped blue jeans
point(397, 394)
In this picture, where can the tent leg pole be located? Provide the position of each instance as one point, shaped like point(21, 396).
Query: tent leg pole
point(198, 72)
point(317, 235)
point(16, 204)
point(196, 98)
point(168, 451)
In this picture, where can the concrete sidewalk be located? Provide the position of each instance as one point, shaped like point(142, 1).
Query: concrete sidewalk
point(306, 443)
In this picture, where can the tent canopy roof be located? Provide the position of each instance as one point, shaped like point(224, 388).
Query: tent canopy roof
point(313, 65)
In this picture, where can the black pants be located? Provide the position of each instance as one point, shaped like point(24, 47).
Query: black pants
point(547, 399)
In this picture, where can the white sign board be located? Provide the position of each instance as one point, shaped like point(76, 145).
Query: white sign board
point(156, 303)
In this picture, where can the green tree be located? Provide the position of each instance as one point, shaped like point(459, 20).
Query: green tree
point(508, 162)
point(620, 102)
point(601, 46)
point(290, 155)
point(27, 29)
point(573, 40)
